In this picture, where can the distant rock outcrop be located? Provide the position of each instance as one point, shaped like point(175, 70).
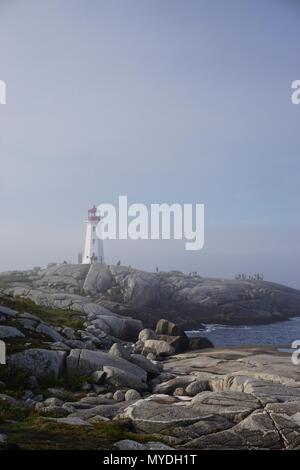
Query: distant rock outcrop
point(188, 300)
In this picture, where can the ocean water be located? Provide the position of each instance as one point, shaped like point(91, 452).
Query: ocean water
point(277, 334)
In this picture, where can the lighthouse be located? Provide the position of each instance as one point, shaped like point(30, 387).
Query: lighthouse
point(93, 247)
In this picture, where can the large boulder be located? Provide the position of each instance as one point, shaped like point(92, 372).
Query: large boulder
point(98, 279)
point(179, 343)
point(41, 363)
point(146, 364)
point(166, 327)
point(146, 333)
point(173, 334)
point(121, 327)
point(120, 378)
point(159, 348)
point(49, 331)
point(132, 395)
point(170, 386)
point(7, 332)
point(86, 362)
point(196, 387)
point(7, 312)
point(119, 395)
point(139, 288)
point(118, 350)
point(98, 377)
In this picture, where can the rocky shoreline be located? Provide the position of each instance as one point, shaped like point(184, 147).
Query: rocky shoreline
point(142, 392)
point(188, 300)
point(81, 376)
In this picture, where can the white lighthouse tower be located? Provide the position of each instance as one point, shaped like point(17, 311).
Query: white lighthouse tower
point(93, 247)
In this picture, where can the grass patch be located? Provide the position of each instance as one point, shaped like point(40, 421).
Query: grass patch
point(15, 345)
point(14, 379)
point(7, 279)
point(40, 434)
point(36, 433)
point(13, 412)
point(72, 383)
point(53, 316)
point(28, 430)
point(58, 317)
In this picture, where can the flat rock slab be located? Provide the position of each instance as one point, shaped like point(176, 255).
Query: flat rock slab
point(106, 411)
point(152, 417)
point(238, 412)
point(257, 431)
point(87, 403)
point(266, 363)
point(128, 444)
point(209, 424)
point(264, 391)
point(71, 421)
point(232, 405)
point(286, 417)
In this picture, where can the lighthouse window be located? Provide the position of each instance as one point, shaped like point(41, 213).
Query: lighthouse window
point(94, 229)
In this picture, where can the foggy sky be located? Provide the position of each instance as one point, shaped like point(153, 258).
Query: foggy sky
point(163, 101)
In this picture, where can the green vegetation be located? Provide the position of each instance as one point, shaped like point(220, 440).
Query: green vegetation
point(15, 345)
point(58, 317)
point(13, 412)
point(32, 339)
point(25, 428)
point(72, 383)
point(15, 276)
point(14, 379)
point(53, 316)
point(30, 430)
point(37, 433)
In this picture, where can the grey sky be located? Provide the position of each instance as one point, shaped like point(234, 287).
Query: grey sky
point(173, 101)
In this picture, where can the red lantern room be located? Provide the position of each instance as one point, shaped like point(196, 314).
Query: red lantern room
point(92, 215)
